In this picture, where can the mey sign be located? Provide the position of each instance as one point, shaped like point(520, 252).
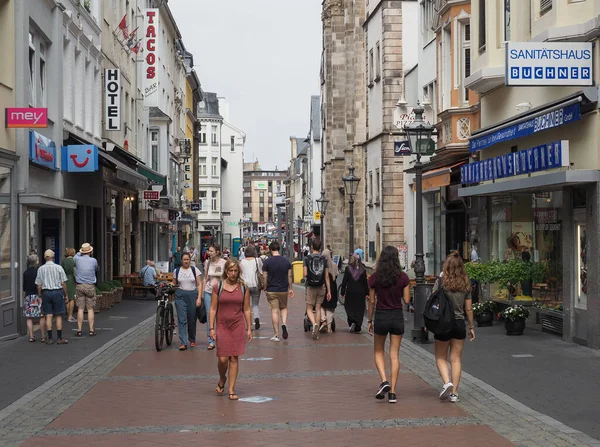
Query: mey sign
point(112, 100)
point(80, 158)
point(26, 117)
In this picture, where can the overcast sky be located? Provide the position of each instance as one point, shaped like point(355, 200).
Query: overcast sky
point(264, 57)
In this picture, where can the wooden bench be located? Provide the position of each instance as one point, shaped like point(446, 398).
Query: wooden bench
point(136, 284)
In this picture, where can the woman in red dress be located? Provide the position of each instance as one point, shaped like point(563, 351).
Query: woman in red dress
point(230, 310)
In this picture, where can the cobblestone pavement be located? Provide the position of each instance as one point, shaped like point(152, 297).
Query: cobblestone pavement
point(305, 391)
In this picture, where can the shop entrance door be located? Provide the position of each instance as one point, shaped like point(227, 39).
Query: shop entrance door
point(8, 298)
point(51, 238)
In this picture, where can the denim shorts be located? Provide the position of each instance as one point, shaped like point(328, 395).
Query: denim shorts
point(53, 302)
point(389, 321)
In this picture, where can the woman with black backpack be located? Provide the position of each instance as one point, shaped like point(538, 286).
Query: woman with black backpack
point(456, 285)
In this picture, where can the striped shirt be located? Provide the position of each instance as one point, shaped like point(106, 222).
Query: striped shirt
point(50, 276)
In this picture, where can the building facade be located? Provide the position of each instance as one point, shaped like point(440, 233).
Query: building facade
point(544, 203)
point(343, 114)
point(232, 177)
point(209, 171)
point(10, 297)
point(263, 191)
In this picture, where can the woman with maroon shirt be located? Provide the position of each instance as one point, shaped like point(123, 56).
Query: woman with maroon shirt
point(391, 286)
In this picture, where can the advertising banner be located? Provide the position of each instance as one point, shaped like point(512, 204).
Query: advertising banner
point(112, 99)
point(17, 117)
point(80, 158)
point(150, 74)
point(549, 63)
point(42, 150)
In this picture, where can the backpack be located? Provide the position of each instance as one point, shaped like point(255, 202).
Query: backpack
point(316, 271)
point(220, 289)
point(193, 273)
point(438, 315)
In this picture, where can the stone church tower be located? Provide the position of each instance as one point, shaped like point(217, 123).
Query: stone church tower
point(343, 93)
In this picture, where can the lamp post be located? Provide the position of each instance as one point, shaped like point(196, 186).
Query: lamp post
point(419, 135)
point(351, 186)
point(322, 204)
point(299, 223)
point(241, 227)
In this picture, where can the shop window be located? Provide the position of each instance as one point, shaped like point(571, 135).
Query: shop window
point(5, 252)
point(529, 227)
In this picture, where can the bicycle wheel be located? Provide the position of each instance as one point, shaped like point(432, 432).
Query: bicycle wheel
point(340, 298)
point(169, 324)
point(159, 329)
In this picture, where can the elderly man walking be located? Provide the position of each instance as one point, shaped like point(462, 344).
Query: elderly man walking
point(85, 291)
point(51, 281)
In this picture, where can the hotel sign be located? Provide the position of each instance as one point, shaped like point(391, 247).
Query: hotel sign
point(549, 63)
point(540, 158)
point(32, 117)
point(112, 99)
point(548, 120)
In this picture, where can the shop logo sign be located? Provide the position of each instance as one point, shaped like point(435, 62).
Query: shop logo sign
point(42, 150)
point(26, 117)
point(80, 158)
point(401, 148)
point(112, 99)
point(151, 33)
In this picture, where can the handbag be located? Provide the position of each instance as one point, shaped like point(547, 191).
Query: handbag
point(259, 278)
point(201, 313)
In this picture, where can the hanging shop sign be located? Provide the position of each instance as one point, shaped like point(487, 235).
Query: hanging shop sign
point(150, 194)
point(401, 148)
point(42, 150)
point(540, 158)
point(260, 185)
point(112, 99)
point(195, 207)
point(80, 158)
point(151, 33)
point(18, 117)
point(548, 63)
point(534, 125)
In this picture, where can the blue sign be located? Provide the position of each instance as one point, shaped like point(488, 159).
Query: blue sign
point(80, 158)
point(42, 150)
point(401, 148)
point(549, 63)
point(540, 158)
point(546, 121)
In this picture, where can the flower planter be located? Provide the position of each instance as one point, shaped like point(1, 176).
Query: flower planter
point(514, 327)
point(119, 295)
point(485, 319)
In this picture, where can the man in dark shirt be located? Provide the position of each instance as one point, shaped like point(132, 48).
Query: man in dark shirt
point(177, 258)
point(277, 275)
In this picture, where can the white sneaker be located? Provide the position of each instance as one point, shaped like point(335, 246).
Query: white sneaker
point(352, 328)
point(446, 390)
point(315, 332)
point(454, 398)
point(275, 338)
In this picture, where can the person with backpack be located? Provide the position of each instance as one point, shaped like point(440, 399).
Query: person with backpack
point(188, 279)
point(252, 275)
point(316, 273)
point(230, 324)
point(214, 268)
point(455, 287)
point(391, 286)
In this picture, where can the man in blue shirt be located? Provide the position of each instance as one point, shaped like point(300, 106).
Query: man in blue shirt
point(148, 274)
point(85, 291)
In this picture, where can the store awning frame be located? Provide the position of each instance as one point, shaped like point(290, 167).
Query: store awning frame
point(438, 178)
point(152, 175)
point(46, 201)
point(125, 173)
point(544, 182)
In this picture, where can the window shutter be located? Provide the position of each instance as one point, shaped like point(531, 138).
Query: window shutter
point(482, 25)
point(545, 6)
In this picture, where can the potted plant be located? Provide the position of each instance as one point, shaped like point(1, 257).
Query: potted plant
point(514, 319)
point(484, 313)
point(87, 4)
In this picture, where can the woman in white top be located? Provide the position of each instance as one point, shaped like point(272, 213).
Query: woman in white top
point(214, 268)
point(190, 289)
point(251, 269)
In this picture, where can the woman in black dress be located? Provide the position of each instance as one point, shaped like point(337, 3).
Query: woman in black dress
point(355, 289)
point(329, 306)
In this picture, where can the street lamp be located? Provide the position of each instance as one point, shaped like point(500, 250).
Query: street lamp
point(351, 185)
point(241, 227)
point(419, 135)
point(322, 204)
point(299, 225)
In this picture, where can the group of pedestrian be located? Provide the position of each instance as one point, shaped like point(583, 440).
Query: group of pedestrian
point(53, 290)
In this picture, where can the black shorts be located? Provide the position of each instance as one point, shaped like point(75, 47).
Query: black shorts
point(458, 332)
point(389, 321)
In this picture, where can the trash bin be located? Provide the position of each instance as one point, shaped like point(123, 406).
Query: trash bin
point(422, 293)
point(298, 271)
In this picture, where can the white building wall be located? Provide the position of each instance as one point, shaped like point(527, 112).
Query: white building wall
point(233, 176)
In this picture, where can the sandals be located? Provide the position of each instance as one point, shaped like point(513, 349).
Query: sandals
point(92, 333)
point(233, 396)
point(78, 334)
point(220, 389)
point(32, 340)
point(211, 346)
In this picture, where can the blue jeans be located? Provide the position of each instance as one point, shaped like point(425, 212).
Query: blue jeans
point(207, 300)
point(185, 303)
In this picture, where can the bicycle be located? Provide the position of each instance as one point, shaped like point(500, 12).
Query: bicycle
point(165, 320)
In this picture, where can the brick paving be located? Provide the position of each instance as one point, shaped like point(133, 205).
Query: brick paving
point(321, 391)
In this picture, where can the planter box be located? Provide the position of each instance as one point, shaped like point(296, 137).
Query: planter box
point(551, 320)
point(119, 295)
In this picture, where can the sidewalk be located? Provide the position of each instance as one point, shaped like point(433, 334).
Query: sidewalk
point(299, 391)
